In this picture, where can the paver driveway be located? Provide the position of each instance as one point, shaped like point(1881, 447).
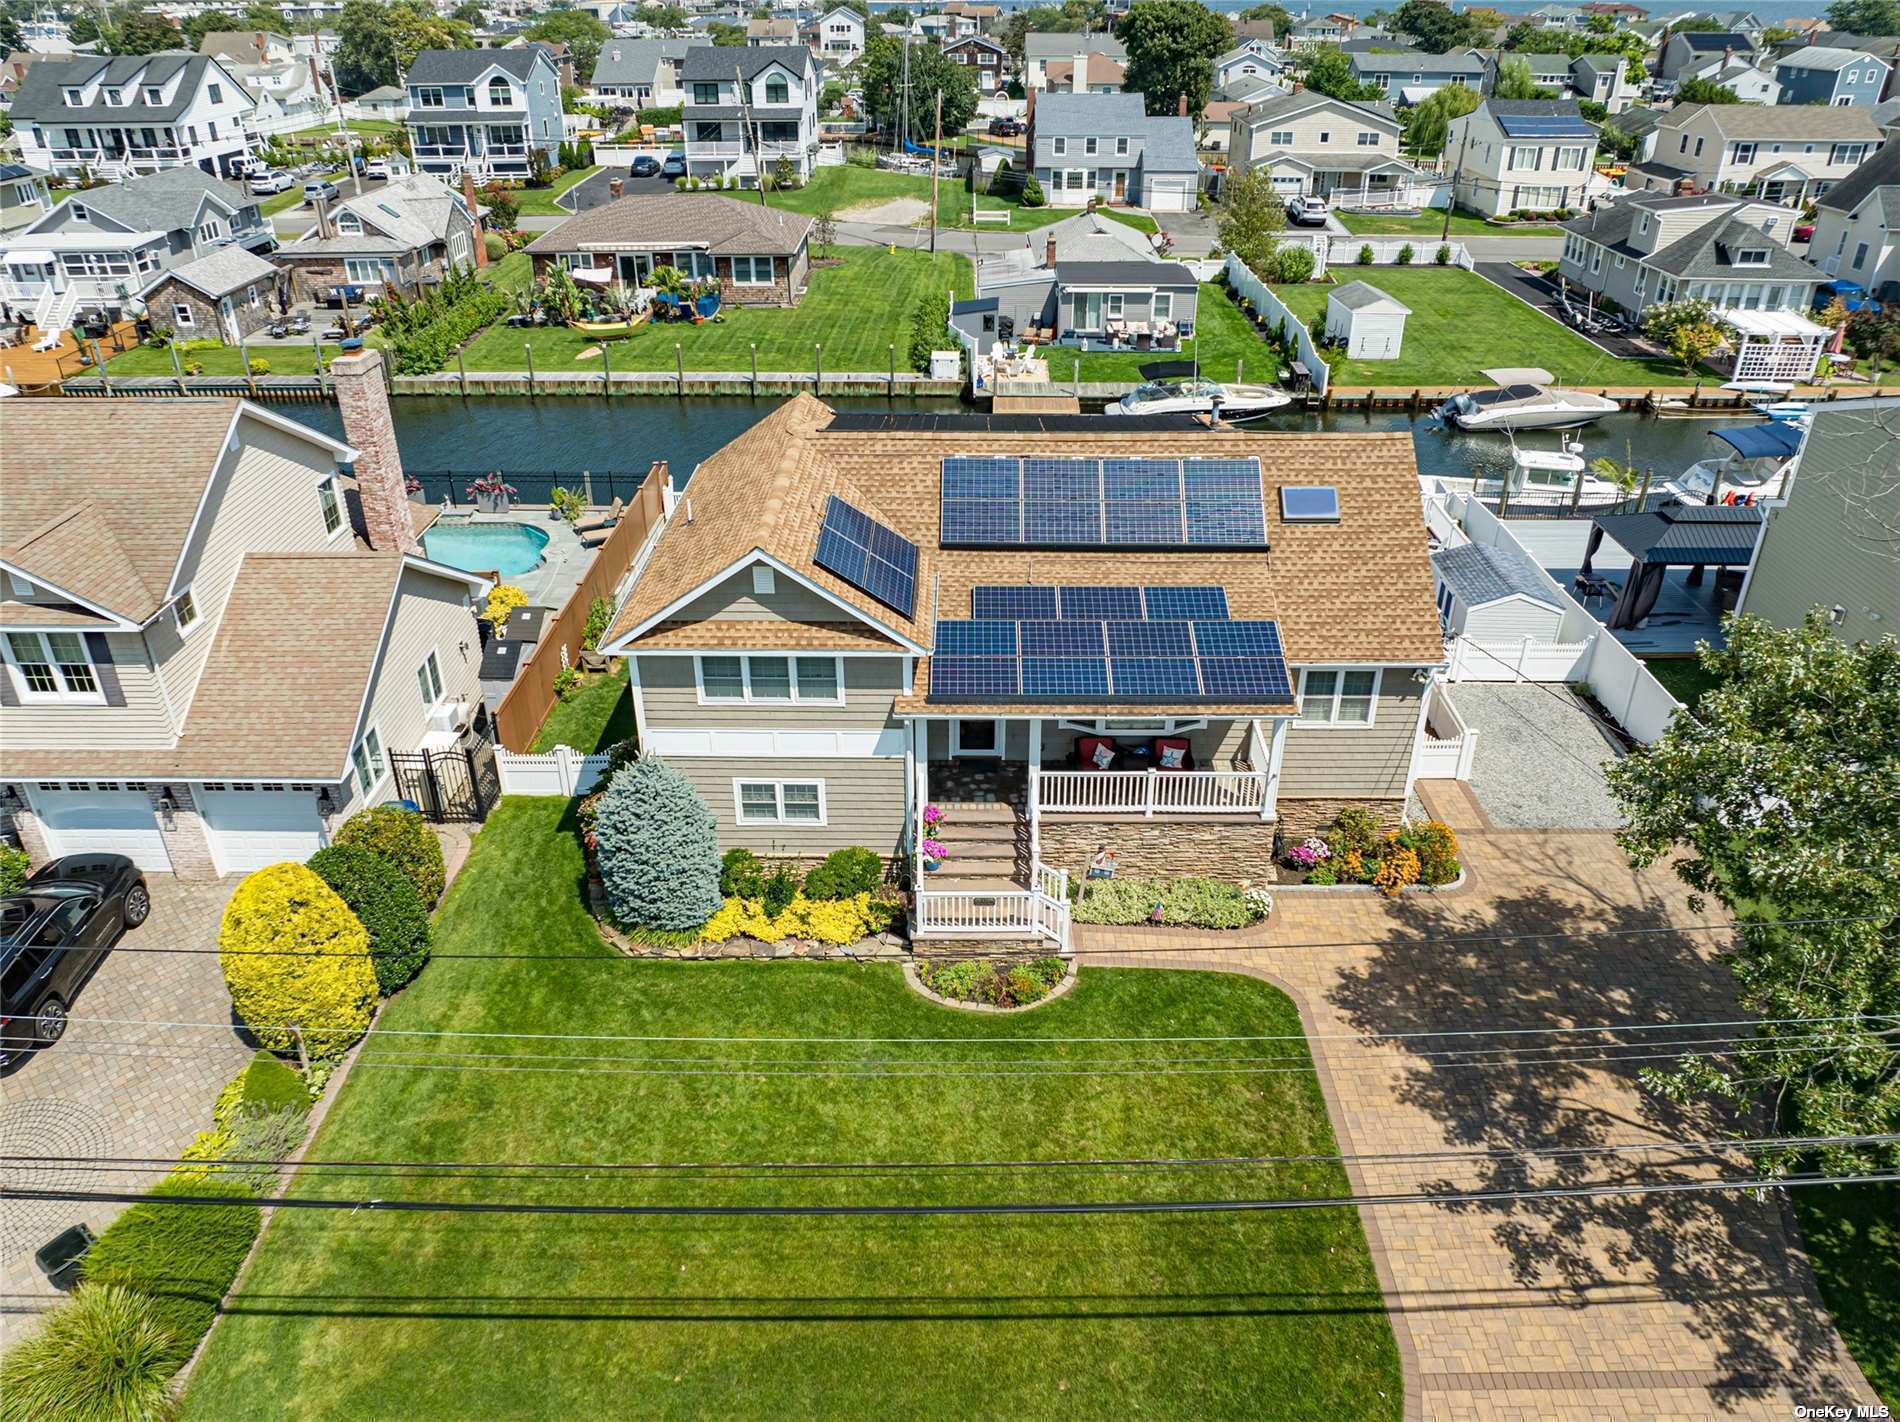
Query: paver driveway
point(1665, 1306)
point(110, 1089)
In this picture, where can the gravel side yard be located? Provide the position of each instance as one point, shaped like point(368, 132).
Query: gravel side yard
point(1540, 757)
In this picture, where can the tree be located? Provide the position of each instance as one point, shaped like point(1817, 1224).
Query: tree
point(824, 231)
point(1704, 91)
point(1428, 125)
point(404, 838)
point(470, 13)
point(1329, 72)
point(1281, 17)
point(12, 37)
point(1172, 45)
point(1686, 329)
point(1251, 219)
point(198, 26)
point(386, 903)
point(377, 44)
point(1433, 26)
point(294, 955)
point(658, 848)
point(1527, 38)
point(721, 32)
point(145, 32)
point(1515, 81)
point(1865, 17)
point(1874, 336)
point(580, 30)
point(665, 17)
point(932, 72)
point(1782, 798)
point(1699, 24)
point(83, 28)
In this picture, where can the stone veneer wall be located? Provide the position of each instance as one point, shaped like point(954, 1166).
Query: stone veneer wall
point(1231, 849)
point(1300, 818)
point(183, 830)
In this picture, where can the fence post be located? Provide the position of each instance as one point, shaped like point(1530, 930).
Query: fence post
point(1523, 657)
point(679, 368)
point(99, 362)
point(461, 370)
point(178, 370)
point(587, 486)
point(567, 769)
point(316, 355)
point(528, 351)
point(1075, 378)
point(1153, 777)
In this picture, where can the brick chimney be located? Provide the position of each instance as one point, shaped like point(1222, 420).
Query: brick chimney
point(615, 187)
point(1180, 107)
point(1049, 253)
point(475, 213)
point(367, 425)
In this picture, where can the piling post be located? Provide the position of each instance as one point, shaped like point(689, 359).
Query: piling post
point(606, 372)
point(528, 351)
point(817, 366)
point(178, 370)
point(755, 370)
point(99, 361)
point(461, 369)
point(679, 367)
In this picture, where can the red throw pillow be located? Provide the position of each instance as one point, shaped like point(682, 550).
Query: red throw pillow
point(1095, 752)
point(1170, 754)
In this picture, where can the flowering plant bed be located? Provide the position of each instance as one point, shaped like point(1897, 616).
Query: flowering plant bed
point(1355, 852)
point(1008, 986)
point(1182, 903)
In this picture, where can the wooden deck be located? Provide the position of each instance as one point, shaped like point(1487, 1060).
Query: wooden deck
point(22, 366)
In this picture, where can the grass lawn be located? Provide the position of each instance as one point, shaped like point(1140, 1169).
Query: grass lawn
point(1460, 324)
point(1224, 339)
point(836, 189)
point(601, 714)
point(1682, 677)
point(374, 128)
point(539, 202)
point(857, 310)
point(1022, 219)
point(514, 272)
point(1261, 1315)
point(1853, 1238)
point(1430, 224)
point(282, 202)
point(223, 360)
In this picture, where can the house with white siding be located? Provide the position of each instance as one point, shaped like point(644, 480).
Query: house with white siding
point(216, 627)
point(1071, 642)
point(1779, 153)
point(1314, 144)
point(1521, 155)
point(1857, 226)
point(114, 116)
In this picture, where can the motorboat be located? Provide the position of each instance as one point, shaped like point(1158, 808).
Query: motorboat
point(1196, 396)
point(1757, 465)
point(1525, 398)
point(1539, 476)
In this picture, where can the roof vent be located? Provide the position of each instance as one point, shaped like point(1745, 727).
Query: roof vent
point(1309, 503)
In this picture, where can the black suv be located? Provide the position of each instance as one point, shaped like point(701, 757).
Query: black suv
point(53, 933)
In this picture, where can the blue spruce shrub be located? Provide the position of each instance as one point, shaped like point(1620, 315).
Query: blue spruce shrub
point(658, 848)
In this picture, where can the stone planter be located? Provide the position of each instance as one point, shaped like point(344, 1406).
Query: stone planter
point(495, 503)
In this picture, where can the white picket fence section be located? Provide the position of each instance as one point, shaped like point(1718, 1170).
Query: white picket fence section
point(1524, 660)
point(1246, 284)
point(1344, 252)
point(1446, 744)
point(562, 771)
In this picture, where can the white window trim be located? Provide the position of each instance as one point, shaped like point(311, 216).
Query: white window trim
point(1339, 690)
point(330, 482)
point(745, 676)
point(958, 749)
point(434, 657)
point(379, 762)
point(197, 613)
point(741, 819)
point(63, 695)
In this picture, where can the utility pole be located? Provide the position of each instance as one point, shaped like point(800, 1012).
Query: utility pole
point(1452, 200)
point(749, 132)
point(342, 129)
point(936, 165)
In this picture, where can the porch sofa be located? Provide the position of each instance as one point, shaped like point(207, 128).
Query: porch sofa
point(1146, 753)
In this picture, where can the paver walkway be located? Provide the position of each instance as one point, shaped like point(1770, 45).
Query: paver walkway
point(1624, 1307)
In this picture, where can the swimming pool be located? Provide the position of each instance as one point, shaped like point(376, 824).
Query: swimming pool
point(508, 548)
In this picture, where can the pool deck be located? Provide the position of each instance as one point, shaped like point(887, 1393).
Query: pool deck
point(563, 562)
point(1685, 613)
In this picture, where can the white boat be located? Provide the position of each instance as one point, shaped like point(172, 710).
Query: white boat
point(1539, 476)
point(1200, 397)
point(1525, 398)
point(1757, 466)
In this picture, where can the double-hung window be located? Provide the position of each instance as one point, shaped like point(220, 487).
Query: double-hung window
point(185, 611)
point(779, 802)
point(331, 503)
point(367, 759)
point(429, 679)
point(777, 92)
point(1338, 696)
point(1368, 140)
point(765, 680)
point(705, 93)
point(752, 271)
point(52, 666)
point(1059, 147)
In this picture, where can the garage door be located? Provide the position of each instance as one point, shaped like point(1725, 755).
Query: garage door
point(104, 820)
point(251, 827)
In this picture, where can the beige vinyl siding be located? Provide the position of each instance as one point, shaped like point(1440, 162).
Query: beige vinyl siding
point(671, 699)
point(140, 724)
point(864, 803)
point(1370, 761)
point(431, 612)
point(1512, 619)
point(734, 601)
point(1216, 745)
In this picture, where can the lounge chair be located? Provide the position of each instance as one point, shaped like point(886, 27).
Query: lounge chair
point(605, 521)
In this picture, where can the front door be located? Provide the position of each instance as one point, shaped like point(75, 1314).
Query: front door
point(1086, 309)
point(636, 268)
point(1121, 185)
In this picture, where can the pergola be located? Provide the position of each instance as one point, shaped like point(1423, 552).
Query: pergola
point(1779, 346)
point(1674, 536)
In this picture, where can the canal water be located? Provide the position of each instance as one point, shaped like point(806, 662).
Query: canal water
point(566, 435)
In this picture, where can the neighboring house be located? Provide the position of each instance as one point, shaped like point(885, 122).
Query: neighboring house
point(1310, 34)
point(212, 637)
point(1695, 50)
point(1845, 78)
point(1040, 49)
point(24, 198)
point(771, 33)
point(91, 254)
point(407, 234)
point(1413, 78)
point(1610, 10)
point(1885, 48)
point(248, 46)
point(1829, 544)
point(1106, 146)
point(1886, 116)
point(1250, 60)
point(778, 118)
point(1781, 154)
point(1548, 71)
point(1603, 79)
point(985, 59)
point(1084, 74)
point(1857, 226)
point(819, 693)
point(968, 18)
point(760, 256)
point(1074, 278)
point(1748, 83)
point(387, 103)
point(1521, 155)
point(644, 71)
point(1314, 144)
point(482, 111)
point(228, 295)
point(1244, 30)
point(113, 117)
point(839, 35)
point(288, 96)
point(1652, 248)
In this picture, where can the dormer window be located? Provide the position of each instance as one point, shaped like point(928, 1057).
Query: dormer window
point(115, 98)
point(500, 95)
point(1752, 257)
point(154, 96)
point(349, 222)
point(79, 211)
point(777, 91)
point(73, 97)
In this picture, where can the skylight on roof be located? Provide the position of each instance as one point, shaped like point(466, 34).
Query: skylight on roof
point(1309, 503)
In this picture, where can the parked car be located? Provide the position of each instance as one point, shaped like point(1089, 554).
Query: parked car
point(1804, 232)
point(376, 168)
point(674, 166)
point(1306, 211)
point(646, 166)
point(53, 933)
point(320, 188)
point(1006, 128)
point(264, 181)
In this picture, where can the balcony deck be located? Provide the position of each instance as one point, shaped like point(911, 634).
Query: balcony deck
point(28, 369)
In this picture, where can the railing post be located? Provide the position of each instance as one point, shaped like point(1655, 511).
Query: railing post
point(1154, 781)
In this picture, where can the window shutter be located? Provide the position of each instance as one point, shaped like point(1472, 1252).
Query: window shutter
point(102, 666)
point(8, 696)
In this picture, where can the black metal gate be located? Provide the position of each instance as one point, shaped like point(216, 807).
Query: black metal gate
point(458, 784)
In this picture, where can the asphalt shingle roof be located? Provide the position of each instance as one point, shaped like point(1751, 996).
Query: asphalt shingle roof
point(163, 201)
point(637, 61)
point(1822, 57)
point(1159, 274)
point(465, 66)
point(41, 95)
point(1480, 573)
point(224, 271)
point(1783, 122)
point(1068, 45)
point(1364, 296)
point(1531, 118)
point(709, 64)
point(649, 221)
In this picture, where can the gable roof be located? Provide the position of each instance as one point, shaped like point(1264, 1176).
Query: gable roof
point(1380, 63)
point(1103, 69)
point(1786, 122)
point(707, 64)
point(1175, 275)
point(1099, 114)
point(1068, 44)
point(410, 211)
point(637, 61)
point(1481, 573)
point(1086, 237)
point(41, 95)
point(1611, 223)
point(165, 201)
point(465, 66)
point(1364, 296)
point(664, 221)
point(1825, 57)
point(1710, 251)
point(1290, 106)
point(1715, 40)
point(1539, 118)
point(1877, 174)
point(221, 272)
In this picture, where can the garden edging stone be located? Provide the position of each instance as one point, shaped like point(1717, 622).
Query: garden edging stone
point(914, 981)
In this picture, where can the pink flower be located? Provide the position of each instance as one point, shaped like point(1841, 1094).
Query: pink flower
point(933, 815)
point(934, 850)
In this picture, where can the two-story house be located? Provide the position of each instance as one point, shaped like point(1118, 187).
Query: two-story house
point(1520, 155)
point(1039, 50)
point(1650, 249)
point(1780, 153)
point(93, 253)
point(747, 108)
point(1857, 226)
point(1413, 78)
point(643, 72)
point(1603, 79)
point(1885, 48)
point(837, 36)
point(1314, 144)
point(1251, 59)
point(217, 627)
point(403, 236)
point(24, 198)
point(986, 60)
point(112, 117)
point(1749, 83)
point(968, 17)
point(1309, 33)
point(1841, 78)
point(1107, 147)
point(248, 46)
point(483, 111)
point(771, 33)
point(1694, 51)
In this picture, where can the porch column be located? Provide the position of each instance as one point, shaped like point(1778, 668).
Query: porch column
point(1276, 756)
point(1035, 796)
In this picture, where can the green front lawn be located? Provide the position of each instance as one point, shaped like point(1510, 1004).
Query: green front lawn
point(1461, 324)
point(1430, 224)
point(283, 202)
point(857, 309)
point(838, 189)
point(600, 714)
point(1225, 342)
point(539, 202)
point(223, 360)
point(373, 128)
point(1023, 219)
point(1853, 1238)
point(346, 1315)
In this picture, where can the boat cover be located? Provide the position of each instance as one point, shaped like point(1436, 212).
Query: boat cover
point(1777, 438)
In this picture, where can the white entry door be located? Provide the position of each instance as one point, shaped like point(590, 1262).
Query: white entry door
point(250, 828)
point(102, 821)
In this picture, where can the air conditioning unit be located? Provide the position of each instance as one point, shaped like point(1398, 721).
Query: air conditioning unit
point(449, 716)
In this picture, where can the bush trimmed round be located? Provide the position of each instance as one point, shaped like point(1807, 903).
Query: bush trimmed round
point(294, 954)
point(658, 848)
point(386, 903)
point(404, 838)
point(100, 1356)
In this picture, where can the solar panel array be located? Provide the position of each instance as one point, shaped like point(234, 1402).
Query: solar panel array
point(1007, 501)
point(1178, 660)
point(868, 555)
point(1107, 604)
point(1543, 126)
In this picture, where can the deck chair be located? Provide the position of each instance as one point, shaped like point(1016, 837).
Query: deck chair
point(605, 521)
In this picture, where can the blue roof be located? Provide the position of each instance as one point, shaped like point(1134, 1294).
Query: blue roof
point(1482, 574)
point(1781, 438)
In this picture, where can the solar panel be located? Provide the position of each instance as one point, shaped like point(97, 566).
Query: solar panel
point(982, 522)
point(1019, 604)
point(985, 637)
point(870, 556)
point(1153, 678)
point(1142, 478)
point(1309, 503)
point(1104, 603)
point(1185, 602)
point(1123, 503)
point(1143, 522)
point(1059, 678)
point(1242, 661)
point(1062, 639)
point(1226, 523)
point(973, 678)
point(1065, 479)
point(1063, 521)
point(982, 477)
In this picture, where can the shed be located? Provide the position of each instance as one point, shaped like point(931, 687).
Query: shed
point(1493, 594)
point(1371, 323)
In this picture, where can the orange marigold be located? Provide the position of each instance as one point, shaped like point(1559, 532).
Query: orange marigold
point(1398, 868)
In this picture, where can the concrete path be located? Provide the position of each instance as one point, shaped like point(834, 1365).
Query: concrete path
point(1564, 1310)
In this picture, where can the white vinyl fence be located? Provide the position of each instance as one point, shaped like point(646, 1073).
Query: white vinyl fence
point(1446, 744)
point(1278, 318)
point(562, 771)
point(1526, 659)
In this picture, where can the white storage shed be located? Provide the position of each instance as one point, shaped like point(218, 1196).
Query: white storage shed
point(1371, 323)
point(1492, 594)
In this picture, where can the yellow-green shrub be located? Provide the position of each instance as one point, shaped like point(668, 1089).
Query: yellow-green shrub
point(293, 953)
point(503, 599)
point(826, 920)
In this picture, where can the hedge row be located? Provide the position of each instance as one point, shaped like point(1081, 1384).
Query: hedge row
point(428, 348)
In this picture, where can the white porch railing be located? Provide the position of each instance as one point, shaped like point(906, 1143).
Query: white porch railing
point(1013, 913)
point(1152, 792)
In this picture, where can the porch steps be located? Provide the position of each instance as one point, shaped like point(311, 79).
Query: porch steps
point(987, 842)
